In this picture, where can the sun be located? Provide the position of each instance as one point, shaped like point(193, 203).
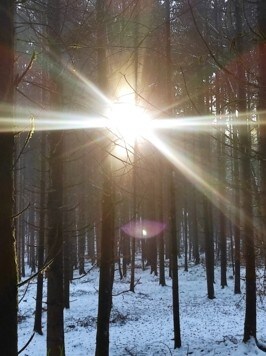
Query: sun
point(128, 124)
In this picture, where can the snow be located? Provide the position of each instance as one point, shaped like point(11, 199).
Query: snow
point(141, 322)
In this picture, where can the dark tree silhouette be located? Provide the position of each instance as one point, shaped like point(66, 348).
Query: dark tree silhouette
point(40, 249)
point(8, 275)
point(55, 304)
point(107, 236)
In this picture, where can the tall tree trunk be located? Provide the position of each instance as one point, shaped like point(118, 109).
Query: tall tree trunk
point(222, 216)
point(162, 281)
point(248, 237)
point(246, 187)
point(106, 269)
point(262, 115)
point(107, 236)
point(174, 262)
point(8, 267)
point(125, 253)
point(221, 156)
point(207, 212)
point(209, 255)
point(172, 196)
point(40, 249)
point(136, 79)
point(236, 212)
point(55, 304)
point(194, 225)
point(185, 229)
point(68, 269)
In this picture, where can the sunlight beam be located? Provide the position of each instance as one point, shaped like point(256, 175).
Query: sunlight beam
point(196, 175)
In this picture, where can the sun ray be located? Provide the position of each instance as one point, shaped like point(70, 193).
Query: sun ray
point(128, 118)
point(90, 87)
point(195, 174)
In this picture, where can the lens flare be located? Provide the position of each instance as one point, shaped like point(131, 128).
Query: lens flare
point(142, 229)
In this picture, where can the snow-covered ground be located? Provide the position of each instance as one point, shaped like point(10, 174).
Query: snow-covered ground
point(141, 322)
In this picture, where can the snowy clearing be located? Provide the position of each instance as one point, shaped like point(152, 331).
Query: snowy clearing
point(141, 322)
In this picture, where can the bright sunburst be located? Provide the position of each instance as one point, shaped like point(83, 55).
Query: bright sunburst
point(127, 123)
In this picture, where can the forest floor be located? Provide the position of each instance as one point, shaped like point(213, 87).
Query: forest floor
point(142, 322)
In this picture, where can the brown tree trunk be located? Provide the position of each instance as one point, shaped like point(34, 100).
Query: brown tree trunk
point(246, 187)
point(40, 248)
point(55, 303)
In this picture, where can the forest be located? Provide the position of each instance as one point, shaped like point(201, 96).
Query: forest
point(132, 159)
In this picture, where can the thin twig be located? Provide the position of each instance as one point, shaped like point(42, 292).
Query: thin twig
point(127, 290)
point(19, 78)
point(27, 344)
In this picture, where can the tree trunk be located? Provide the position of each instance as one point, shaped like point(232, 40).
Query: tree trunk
point(236, 213)
point(106, 267)
point(40, 249)
point(174, 263)
point(262, 117)
point(246, 188)
point(209, 254)
point(107, 237)
point(8, 267)
point(55, 304)
point(193, 231)
point(185, 230)
point(160, 239)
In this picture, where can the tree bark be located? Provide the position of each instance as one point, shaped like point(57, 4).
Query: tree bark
point(174, 263)
point(262, 116)
point(246, 188)
point(8, 267)
point(106, 269)
point(107, 237)
point(40, 248)
point(55, 303)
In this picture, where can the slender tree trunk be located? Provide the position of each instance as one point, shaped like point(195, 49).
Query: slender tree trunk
point(82, 223)
point(208, 218)
point(125, 253)
point(262, 116)
point(161, 236)
point(133, 252)
point(194, 225)
point(40, 249)
point(248, 237)
point(136, 79)
point(209, 255)
point(222, 216)
point(246, 187)
point(174, 263)
point(135, 217)
point(185, 231)
point(236, 213)
point(221, 157)
point(81, 251)
point(32, 228)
